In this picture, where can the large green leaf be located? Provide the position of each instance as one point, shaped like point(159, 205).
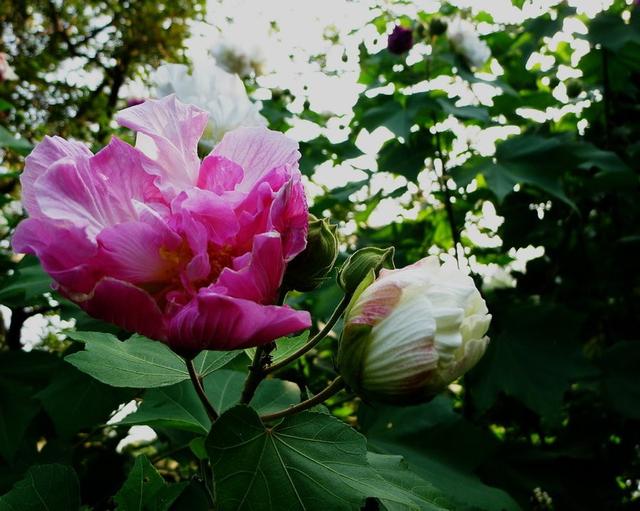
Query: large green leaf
point(441, 448)
point(146, 490)
point(137, 362)
point(17, 410)
point(396, 471)
point(310, 461)
point(179, 407)
point(534, 357)
point(75, 401)
point(44, 488)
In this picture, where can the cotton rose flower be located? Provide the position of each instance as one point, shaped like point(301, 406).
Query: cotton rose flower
point(412, 332)
point(465, 41)
point(151, 238)
point(400, 40)
point(222, 95)
point(6, 71)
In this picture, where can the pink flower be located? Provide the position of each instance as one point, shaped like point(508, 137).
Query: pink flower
point(150, 238)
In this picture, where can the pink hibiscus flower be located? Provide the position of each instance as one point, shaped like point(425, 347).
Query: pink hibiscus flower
point(188, 252)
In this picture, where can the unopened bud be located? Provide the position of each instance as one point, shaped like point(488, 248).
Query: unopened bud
point(311, 267)
point(412, 332)
point(437, 26)
point(358, 266)
point(400, 40)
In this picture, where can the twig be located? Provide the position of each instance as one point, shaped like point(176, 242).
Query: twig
point(333, 388)
point(197, 384)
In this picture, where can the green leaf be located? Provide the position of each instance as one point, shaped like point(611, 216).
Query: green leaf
point(310, 461)
point(137, 362)
point(179, 407)
point(534, 358)
point(620, 378)
point(176, 406)
point(610, 31)
point(9, 141)
point(146, 490)
point(26, 285)
point(75, 401)
point(17, 410)
point(439, 446)
point(396, 472)
point(44, 488)
point(285, 346)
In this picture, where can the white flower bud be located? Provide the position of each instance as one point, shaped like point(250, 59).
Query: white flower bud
point(6, 71)
point(412, 332)
point(465, 41)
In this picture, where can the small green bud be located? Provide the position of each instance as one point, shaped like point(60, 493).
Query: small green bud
point(310, 268)
point(553, 82)
point(437, 26)
point(358, 266)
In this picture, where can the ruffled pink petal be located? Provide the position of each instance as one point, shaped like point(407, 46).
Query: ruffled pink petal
point(259, 277)
point(97, 192)
point(139, 252)
point(64, 251)
point(212, 211)
point(170, 133)
point(217, 322)
point(257, 150)
point(289, 215)
point(45, 154)
point(125, 305)
point(219, 175)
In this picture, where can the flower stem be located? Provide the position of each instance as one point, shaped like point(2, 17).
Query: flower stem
point(315, 339)
point(197, 384)
point(256, 374)
point(334, 387)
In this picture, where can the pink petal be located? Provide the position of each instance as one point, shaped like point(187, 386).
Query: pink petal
point(139, 252)
point(172, 132)
point(260, 275)
point(45, 154)
point(289, 215)
point(217, 322)
point(257, 150)
point(95, 193)
point(64, 251)
point(125, 305)
point(219, 175)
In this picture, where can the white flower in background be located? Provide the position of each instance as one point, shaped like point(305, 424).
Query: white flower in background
point(412, 332)
point(6, 71)
point(465, 41)
point(222, 95)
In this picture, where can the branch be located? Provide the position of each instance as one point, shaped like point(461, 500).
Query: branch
point(333, 388)
point(315, 339)
point(197, 384)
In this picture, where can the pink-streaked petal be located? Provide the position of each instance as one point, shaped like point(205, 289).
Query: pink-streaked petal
point(214, 212)
point(139, 252)
point(257, 150)
point(219, 175)
point(261, 277)
point(95, 193)
point(125, 305)
point(217, 322)
point(64, 251)
point(375, 303)
point(170, 132)
point(45, 154)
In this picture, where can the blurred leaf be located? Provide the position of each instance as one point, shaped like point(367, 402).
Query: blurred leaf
point(19, 145)
point(44, 488)
point(26, 285)
point(620, 365)
point(17, 410)
point(146, 490)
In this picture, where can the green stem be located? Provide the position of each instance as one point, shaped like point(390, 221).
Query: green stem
point(333, 388)
point(197, 384)
point(314, 340)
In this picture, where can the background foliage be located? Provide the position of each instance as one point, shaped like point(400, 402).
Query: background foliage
point(549, 420)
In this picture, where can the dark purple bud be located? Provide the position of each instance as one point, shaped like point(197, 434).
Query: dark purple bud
point(134, 101)
point(400, 40)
